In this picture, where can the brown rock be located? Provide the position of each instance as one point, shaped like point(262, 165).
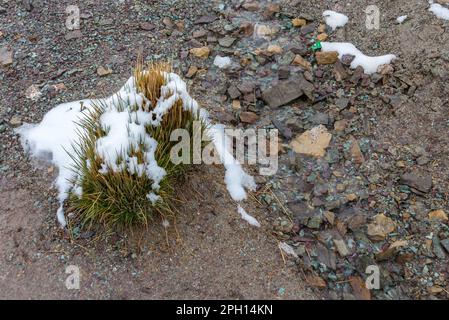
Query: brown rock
point(380, 227)
point(328, 57)
point(322, 37)
point(361, 292)
point(340, 125)
point(312, 142)
point(191, 72)
point(273, 50)
point(248, 117)
point(236, 104)
point(251, 6)
point(147, 26)
point(15, 121)
point(102, 71)
point(316, 281)
point(300, 61)
point(385, 69)
point(340, 71)
point(391, 251)
point(297, 22)
point(356, 153)
point(202, 52)
point(438, 215)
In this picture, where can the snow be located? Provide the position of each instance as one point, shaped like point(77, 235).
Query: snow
point(236, 179)
point(125, 128)
point(369, 64)
point(245, 216)
point(52, 137)
point(401, 19)
point(334, 19)
point(222, 62)
point(440, 11)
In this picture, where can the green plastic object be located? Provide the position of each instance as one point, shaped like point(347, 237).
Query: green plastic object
point(316, 46)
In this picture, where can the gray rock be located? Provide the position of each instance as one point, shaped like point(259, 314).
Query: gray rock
point(6, 56)
point(445, 244)
point(246, 87)
point(342, 103)
point(233, 92)
point(287, 91)
point(437, 249)
point(226, 41)
point(419, 181)
point(206, 19)
point(320, 118)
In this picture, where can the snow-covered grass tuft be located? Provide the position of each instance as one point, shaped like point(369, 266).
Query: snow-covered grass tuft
point(369, 64)
point(114, 154)
point(122, 159)
point(334, 19)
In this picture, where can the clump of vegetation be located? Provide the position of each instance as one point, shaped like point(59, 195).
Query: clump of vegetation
point(125, 193)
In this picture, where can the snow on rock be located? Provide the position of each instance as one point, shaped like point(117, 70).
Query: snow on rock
point(250, 219)
point(58, 132)
point(334, 19)
point(369, 64)
point(401, 19)
point(222, 62)
point(440, 11)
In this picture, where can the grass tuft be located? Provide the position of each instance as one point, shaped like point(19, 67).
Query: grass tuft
point(119, 199)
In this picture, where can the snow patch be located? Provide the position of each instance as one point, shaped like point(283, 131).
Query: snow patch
point(236, 178)
point(369, 64)
point(439, 11)
point(222, 62)
point(334, 19)
point(401, 19)
point(250, 219)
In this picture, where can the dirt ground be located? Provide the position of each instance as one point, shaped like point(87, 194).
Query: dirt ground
point(211, 253)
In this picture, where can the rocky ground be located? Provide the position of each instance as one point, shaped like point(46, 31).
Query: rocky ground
point(373, 194)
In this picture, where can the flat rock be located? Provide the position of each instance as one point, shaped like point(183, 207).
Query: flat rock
point(381, 226)
point(103, 71)
point(146, 26)
point(419, 181)
point(328, 57)
point(303, 63)
point(226, 41)
point(312, 142)
point(287, 91)
point(340, 71)
point(438, 215)
point(445, 244)
point(75, 34)
point(341, 247)
point(248, 117)
point(202, 52)
point(5, 56)
point(206, 19)
point(233, 92)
